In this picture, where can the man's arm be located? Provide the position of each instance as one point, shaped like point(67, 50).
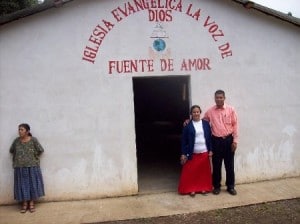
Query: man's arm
point(235, 130)
point(206, 116)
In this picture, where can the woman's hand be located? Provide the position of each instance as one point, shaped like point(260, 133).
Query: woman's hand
point(183, 159)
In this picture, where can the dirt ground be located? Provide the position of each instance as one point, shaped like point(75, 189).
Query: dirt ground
point(279, 212)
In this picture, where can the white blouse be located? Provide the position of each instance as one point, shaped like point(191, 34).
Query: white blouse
point(199, 146)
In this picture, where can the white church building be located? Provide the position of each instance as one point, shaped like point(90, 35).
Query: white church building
point(106, 85)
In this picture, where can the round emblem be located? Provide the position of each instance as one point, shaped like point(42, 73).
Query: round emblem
point(159, 44)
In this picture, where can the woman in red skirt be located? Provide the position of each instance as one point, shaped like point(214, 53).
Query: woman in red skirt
point(195, 152)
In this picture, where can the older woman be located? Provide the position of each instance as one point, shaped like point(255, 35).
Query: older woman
point(28, 180)
point(196, 149)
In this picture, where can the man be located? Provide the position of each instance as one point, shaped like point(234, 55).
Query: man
point(224, 127)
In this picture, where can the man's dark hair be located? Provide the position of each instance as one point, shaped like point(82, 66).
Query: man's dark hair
point(219, 91)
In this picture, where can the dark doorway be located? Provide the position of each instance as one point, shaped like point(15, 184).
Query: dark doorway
point(161, 105)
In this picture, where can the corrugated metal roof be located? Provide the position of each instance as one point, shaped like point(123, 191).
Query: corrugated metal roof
point(47, 4)
point(57, 3)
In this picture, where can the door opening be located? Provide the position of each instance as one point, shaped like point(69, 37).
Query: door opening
point(161, 105)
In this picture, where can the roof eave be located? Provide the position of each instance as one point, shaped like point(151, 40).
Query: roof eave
point(57, 3)
point(270, 12)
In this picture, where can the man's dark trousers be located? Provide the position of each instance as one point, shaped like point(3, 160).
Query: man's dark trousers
point(222, 150)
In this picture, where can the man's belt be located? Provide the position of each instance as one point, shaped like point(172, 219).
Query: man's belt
point(223, 137)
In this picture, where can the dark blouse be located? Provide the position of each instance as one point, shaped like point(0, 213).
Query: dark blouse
point(26, 154)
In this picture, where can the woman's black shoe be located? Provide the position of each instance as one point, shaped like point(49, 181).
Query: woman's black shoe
point(216, 191)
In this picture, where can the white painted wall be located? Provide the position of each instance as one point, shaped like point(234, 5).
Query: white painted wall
point(84, 117)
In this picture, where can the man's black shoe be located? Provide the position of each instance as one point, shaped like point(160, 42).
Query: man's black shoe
point(216, 191)
point(232, 191)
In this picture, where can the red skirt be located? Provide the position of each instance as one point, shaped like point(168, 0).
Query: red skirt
point(196, 175)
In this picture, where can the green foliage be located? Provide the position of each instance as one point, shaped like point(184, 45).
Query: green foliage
point(10, 6)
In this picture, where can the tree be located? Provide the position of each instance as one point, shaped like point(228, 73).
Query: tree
point(7, 7)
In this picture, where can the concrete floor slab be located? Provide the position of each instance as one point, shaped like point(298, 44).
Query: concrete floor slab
point(150, 205)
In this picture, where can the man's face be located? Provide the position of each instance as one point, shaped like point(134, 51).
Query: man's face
point(219, 99)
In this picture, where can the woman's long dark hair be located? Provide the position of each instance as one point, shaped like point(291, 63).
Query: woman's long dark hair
point(27, 128)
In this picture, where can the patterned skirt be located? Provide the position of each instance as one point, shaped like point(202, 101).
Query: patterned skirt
point(196, 175)
point(28, 183)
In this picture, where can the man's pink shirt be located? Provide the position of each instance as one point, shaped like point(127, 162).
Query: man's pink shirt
point(223, 121)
